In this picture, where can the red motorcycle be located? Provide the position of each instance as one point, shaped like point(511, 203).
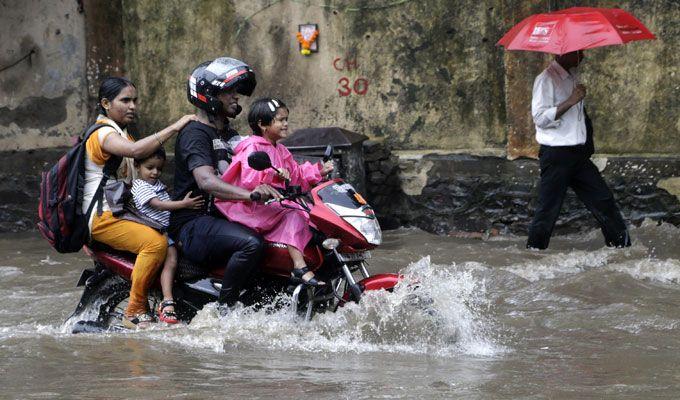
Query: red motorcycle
point(344, 228)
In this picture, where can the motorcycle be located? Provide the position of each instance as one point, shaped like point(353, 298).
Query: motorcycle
point(344, 230)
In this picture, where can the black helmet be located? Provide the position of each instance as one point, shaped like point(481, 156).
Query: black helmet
point(212, 77)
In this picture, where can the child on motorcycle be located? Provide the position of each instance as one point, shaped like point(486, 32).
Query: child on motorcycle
point(268, 118)
point(152, 200)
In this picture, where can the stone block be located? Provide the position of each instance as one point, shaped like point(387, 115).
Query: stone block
point(376, 178)
point(387, 167)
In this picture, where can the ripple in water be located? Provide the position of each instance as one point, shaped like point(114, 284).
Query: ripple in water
point(9, 271)
point(555, 265)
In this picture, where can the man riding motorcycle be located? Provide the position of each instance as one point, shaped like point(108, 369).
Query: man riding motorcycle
point(345, 228)
point(204, 236)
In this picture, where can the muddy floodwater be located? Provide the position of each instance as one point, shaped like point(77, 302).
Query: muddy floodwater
point(474, 319)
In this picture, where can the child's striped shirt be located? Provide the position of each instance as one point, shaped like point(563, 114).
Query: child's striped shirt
point(143, 192)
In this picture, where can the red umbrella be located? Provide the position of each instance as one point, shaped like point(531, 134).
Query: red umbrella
point(576, 28)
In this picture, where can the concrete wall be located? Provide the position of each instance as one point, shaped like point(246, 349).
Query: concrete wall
point(633, 91)
point(427, 74)
point(164, 41)
point(423, 79)
point(105, 53)
point(446, 193)
point(417, 74)
point(42, 73)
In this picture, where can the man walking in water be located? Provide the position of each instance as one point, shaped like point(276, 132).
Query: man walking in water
point(565, 134)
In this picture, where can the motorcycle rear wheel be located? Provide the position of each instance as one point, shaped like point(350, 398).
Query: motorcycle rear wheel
point(112, 313)
point(114, 295)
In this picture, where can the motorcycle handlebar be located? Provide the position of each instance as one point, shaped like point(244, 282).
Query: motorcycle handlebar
point(291, 193)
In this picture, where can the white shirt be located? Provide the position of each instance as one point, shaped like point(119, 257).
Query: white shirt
point(552, 87)
point(143, 192)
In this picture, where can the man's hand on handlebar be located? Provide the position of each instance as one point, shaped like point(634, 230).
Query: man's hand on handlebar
point(264, 192)
point(283, 174)
point(327, 168)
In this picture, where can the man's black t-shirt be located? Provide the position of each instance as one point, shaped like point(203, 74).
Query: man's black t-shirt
point(196, 145)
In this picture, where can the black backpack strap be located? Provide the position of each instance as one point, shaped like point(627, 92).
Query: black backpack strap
point(92, 129)
point(97, 198)
point(110, 168)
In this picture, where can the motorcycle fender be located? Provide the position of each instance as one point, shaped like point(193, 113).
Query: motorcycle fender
point(84, 276)
point(205, 286)
point(380, 281)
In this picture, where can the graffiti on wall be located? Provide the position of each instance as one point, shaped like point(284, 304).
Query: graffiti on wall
point(348, 85)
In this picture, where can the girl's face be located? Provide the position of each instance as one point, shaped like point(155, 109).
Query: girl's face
point(150, 170)
point(122, 109)
point(278, 129)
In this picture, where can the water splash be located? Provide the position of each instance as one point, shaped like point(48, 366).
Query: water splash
point(666, 271)
point(554, 265)
point(646, 259)
point(436, 310)
point(29, 330)
point(48, 261)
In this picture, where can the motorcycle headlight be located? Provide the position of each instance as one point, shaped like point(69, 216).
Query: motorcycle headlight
point(368, 227)
point(362, 219)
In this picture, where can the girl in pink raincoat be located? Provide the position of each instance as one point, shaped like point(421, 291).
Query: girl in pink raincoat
point(268, 118)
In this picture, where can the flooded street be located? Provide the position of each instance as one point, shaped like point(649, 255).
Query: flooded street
point(478, 319)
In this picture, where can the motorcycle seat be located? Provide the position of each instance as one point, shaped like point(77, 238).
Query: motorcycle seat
point(101, 247)
point(186, 270)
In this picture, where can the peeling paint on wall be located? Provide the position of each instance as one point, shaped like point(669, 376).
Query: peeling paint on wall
point(413, 173)
point(36, 112)
point(434, 80)
point(671, 185)
point(42, 95)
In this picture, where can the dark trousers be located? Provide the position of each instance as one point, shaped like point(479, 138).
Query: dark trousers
point(212, 241)
point(570, 166)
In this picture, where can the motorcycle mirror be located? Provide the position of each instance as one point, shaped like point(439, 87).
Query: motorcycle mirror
point(259, 160)
point(328, 154)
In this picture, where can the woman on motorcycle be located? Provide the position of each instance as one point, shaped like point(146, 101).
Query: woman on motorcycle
point(268, 119)
point(117, 105)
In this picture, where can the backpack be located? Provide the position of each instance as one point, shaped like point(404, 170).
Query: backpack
point(119, 198)
point(60, 217)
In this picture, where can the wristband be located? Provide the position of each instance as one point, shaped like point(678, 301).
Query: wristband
point(255, 196)
point(158, 138)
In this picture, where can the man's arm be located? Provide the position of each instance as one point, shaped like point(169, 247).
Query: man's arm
point(116, 144)
point(208, 182)
point(545, 114)
point(574, 98)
